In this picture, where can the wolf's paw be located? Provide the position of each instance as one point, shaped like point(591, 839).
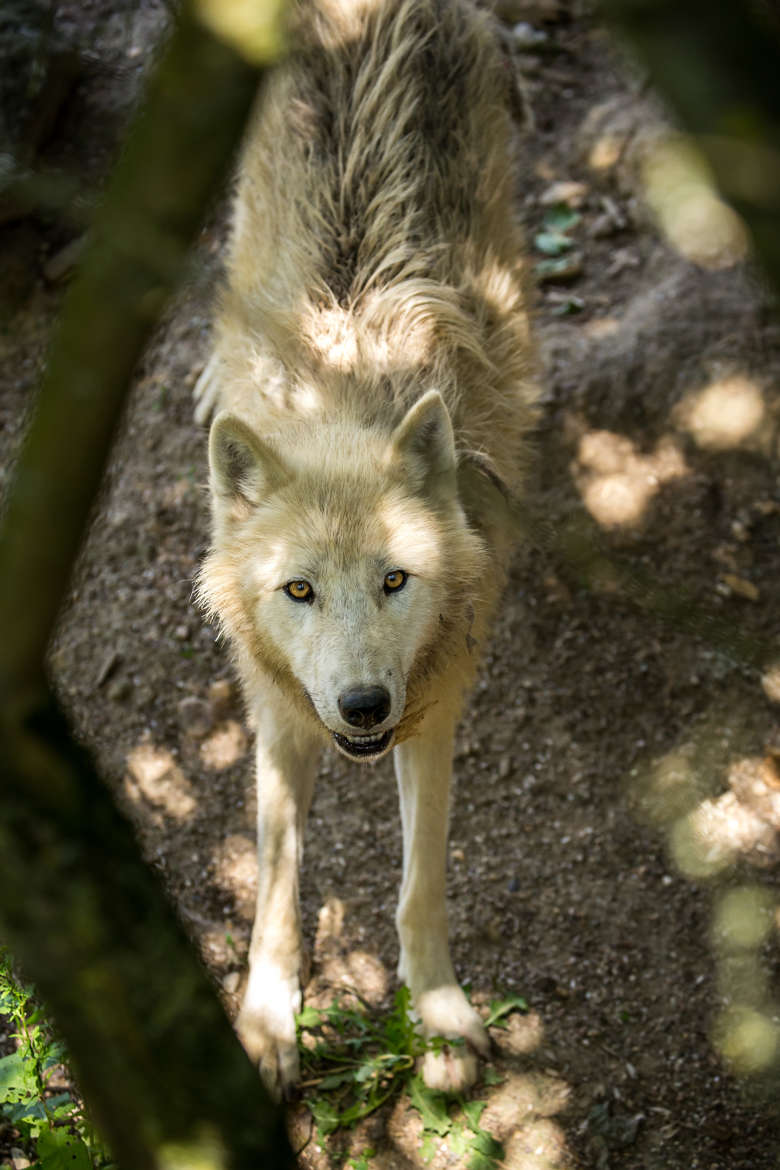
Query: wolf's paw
point(445, 1011)
point(266, 1028)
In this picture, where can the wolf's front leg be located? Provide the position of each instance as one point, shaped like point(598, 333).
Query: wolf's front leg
point(286, 768)
point(424, 770)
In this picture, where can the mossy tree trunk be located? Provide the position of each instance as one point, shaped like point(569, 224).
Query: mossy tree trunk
point(157, 1061)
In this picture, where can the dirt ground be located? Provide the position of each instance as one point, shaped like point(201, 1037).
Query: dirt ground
point(614, 851)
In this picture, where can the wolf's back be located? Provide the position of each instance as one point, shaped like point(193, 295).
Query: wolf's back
point(375, 252)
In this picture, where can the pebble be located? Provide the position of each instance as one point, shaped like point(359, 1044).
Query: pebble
point(526, 36)
point(231, 981)
point(566, 191)
point(561, 268)
point(195, 716)
point(62, 263)
point(119, 690)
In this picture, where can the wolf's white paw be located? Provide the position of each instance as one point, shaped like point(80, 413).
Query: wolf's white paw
point(445, 1011)
point(266, 1028)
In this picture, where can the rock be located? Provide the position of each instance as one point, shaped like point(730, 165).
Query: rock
point(108, 666)
point(195, 716)
point(741, 586)
point(221, 696)
point(61, 264)
point(566, 191)
point(526, 36)
point(560, 268)
point(119, 690)
point(231, 981)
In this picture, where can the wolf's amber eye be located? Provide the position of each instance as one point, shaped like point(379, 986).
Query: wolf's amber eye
point(395, 580)
point(299, 590)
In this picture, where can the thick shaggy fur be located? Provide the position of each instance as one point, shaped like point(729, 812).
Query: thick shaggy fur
point(374, 375)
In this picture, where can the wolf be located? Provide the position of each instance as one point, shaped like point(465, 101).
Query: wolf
point(374, 382)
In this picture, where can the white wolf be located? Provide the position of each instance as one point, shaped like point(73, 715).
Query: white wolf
point(373, 370)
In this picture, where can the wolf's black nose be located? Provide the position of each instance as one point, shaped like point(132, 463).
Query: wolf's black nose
point(364, 706)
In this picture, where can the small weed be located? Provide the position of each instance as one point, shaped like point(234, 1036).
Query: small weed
point(353, 1061)
point(554, 239)
point(51, 1126)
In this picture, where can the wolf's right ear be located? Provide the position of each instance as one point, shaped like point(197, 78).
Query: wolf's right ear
point(424, 440)
point(243, 466)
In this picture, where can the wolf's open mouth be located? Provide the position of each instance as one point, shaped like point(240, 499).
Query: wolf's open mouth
point(364, 747)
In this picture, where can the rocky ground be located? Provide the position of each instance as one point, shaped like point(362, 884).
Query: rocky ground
point(613, 851)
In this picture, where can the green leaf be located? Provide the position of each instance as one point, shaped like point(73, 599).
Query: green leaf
point(59, 1149)
point(492, 1076)
point(458, 1140)
point(310, 1017)
point(553, 267)
point(561, 218)
point(428, 1145)
point(431, 1105)
point(501, 1008)
point(552, 243)
point(335, 1079)
point(17, 1077)
point(473, 1111)
point(484, 1143)
point(325, 1114)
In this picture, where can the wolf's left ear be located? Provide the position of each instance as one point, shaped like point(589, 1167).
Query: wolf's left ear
point(424, 441)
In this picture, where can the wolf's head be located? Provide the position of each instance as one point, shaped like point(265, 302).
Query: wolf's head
point(342, 566)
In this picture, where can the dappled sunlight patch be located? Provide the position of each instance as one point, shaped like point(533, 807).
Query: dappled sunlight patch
point(681, 192)
point(729, 412)
point(523, 1097)
point(235, 872)
point(748, 1039)
point(154, 777)
point(541, 1145)
point(522, 1033)
point(340, 966)
point(672, 785)
point(617, 481)
point(770, 682)
point(531, 1141)
point(712, 837)
point(744, 917)
point(709, 833)
point(225, 746)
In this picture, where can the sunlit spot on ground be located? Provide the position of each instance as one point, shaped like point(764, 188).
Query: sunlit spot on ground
point(341, 966)
point(606, 151)
point(748, 1038)
point(226, 744)
point(522, 1097)
point(681, 193)
point(617, 481)
point(235, 872)
point(519, 1114)
point(522, 1034)
point(153, 776)
point(727, 413)
point(541, 1145)
point(741, 821)
point(770, 682)
point(708, 834)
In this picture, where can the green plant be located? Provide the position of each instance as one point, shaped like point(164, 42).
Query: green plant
point(52, 1126)
point(353, 1061)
